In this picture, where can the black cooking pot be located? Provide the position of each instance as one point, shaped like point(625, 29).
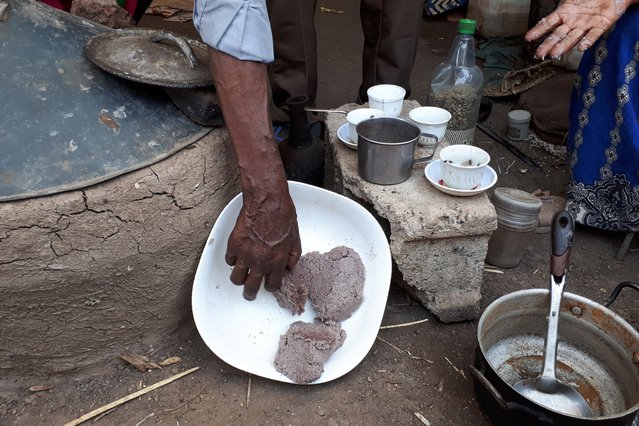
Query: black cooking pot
point(597, 355)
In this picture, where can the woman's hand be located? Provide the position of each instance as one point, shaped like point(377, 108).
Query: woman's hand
point(575, 23)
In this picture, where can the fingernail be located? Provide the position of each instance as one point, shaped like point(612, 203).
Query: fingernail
point(584, 45)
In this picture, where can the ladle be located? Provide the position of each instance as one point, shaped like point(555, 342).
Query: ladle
point(337, 111)
point(546, 390)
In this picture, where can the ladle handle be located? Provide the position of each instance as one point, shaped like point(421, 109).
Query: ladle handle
point(548, 378)
point(328, 111)
point(563, 227)
point(562, 232)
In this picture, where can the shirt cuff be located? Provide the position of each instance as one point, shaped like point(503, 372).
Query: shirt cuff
point(239, 28)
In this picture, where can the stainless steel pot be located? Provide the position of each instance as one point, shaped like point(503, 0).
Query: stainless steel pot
point(386, 149)
point(597, 354)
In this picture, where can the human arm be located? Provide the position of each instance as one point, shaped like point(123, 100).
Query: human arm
point(576, 23)
point(265, 240)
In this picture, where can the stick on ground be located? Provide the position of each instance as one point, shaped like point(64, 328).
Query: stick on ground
point(407, 324)
point(127, 398)
point(248, 392)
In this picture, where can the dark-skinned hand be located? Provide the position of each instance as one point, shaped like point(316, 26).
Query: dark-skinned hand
point(264, 242)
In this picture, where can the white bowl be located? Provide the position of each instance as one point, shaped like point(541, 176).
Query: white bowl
point(387, 97)
point(246, 334)
point(360, 114)
point(463, 166)
point(431, 120)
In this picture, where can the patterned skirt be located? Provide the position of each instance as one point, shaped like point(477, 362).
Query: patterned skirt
point(603, 139)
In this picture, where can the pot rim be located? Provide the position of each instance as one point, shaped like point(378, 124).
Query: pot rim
point(414, 140)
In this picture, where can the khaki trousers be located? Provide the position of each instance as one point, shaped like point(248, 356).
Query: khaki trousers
point(391, 33)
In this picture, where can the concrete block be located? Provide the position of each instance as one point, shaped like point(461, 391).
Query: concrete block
point(438, 241)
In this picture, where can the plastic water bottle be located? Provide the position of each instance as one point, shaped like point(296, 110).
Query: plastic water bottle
point(457, 86)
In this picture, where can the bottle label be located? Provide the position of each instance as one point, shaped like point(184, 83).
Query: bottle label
point(459, 137)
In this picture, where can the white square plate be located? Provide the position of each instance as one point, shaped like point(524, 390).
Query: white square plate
point(246, 334)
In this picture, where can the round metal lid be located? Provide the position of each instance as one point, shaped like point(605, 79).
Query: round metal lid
point(155, 57)
point(516, 199)
point(516, 207)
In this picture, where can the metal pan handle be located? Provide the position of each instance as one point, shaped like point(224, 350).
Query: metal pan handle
point(513, 408)
point(184, 45)
point(489, 387)
point(618, 289)
point(563, 227)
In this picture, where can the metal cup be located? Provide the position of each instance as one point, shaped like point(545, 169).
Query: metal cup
point(386, 149)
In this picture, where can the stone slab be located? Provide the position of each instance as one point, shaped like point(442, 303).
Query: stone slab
point(438, 241)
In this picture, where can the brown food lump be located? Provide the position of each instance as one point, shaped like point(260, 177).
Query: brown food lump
point(305, 347)
point(338, 290)
point(334, 282)
point(293, 293)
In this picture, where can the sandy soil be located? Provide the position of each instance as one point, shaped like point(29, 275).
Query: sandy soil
point(421, 369)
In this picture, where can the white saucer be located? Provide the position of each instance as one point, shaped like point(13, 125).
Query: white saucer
point(433, 174)
point(343, 135)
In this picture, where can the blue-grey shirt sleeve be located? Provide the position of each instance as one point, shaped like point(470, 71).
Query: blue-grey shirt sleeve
point(239, 28)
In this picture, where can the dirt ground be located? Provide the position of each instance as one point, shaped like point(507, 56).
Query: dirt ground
point(414, 371)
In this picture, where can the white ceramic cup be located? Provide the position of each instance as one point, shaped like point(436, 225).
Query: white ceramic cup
point(355, 116)
point(386, 97)
point(430, 120)
point(463, 166)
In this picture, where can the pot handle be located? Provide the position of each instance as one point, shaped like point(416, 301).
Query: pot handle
point(430, 157)
point(513, 408)
point(4, 8)
point(184, 45)
point(617, 290)
point(489, 387)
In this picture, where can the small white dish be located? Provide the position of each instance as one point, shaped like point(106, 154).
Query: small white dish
point(430, 120)
point(463, 166)
point(343, 135)
point(358, 115)
point(387, 97)
point(433, 174)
